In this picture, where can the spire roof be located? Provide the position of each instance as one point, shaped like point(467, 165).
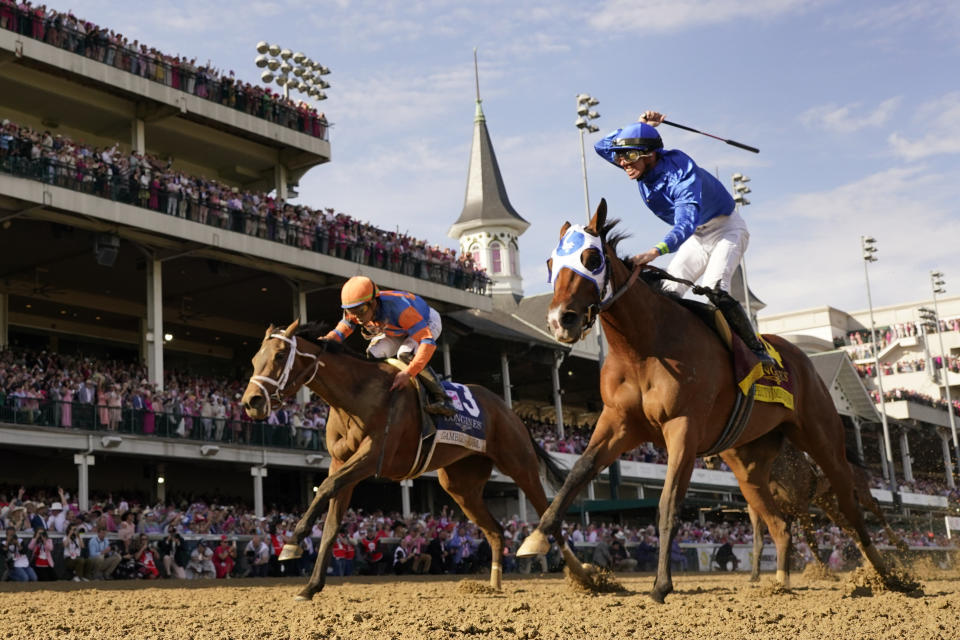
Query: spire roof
point(486, 198)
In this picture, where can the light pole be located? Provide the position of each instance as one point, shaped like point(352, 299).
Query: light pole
point(938, 285)
point(306, 73)
point(584, 116)
point(869, 247)
point(740, 191)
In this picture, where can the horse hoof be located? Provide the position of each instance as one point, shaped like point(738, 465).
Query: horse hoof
point(533, 545)
point(289, 552)
point(301, 598)
point(658, 597)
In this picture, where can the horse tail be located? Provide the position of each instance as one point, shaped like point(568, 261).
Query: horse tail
point(554, 472)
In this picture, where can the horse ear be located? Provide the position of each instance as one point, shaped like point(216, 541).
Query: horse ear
point(600, 217)
point(269, 332)
point(293, 327)
point(563, 229)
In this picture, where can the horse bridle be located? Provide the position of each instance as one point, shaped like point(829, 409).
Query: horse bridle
point(595, 309)
point(284, 378)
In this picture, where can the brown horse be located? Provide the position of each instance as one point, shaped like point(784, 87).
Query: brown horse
point(796, 484)
point(668, 379)
point(372, 430)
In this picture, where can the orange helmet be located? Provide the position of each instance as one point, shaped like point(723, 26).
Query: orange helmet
point(356, 291)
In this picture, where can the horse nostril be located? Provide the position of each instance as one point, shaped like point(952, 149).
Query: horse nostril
point(569, 319)
point(256, 403)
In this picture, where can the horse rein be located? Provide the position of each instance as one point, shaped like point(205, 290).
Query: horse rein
point(284, 378)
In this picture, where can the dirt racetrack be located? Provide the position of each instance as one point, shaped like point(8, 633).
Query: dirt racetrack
point(714, 606)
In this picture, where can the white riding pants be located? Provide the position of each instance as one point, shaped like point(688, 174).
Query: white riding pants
point(713, 252)
point(384, 346)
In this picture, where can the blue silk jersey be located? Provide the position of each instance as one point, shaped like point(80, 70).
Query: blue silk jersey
point(399, 313)
point(677, 191)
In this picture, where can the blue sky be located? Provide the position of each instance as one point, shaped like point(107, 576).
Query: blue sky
point(855, 106)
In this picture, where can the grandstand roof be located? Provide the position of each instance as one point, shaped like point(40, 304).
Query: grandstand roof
point(836, 369)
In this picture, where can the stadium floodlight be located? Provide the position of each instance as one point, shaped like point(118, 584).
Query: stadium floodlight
point(294, 70)
point(939, 286)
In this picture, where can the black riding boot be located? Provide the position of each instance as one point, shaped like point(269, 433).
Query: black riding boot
point(439, 400)
point(737, 318)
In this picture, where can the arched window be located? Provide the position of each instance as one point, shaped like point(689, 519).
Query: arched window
point(474, 252)
point(514, 259)
point(496, 258)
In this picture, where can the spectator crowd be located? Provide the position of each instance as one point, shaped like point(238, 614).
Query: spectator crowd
point(47, 537)
point(82, 37)
point(150, 182)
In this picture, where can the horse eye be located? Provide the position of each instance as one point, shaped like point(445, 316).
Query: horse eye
point(591, 259)
point(278, 356)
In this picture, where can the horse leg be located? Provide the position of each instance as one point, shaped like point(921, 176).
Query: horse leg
point(338, 506)
point(610, 438)
point(758, 527)
point(681, 453)
point(751, 464)
point(833, 463)
point(292, 549)
point(464, 481)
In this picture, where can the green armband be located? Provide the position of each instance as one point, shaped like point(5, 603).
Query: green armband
point(662, 248)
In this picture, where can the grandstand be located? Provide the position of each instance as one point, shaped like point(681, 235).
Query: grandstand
point(170, 283)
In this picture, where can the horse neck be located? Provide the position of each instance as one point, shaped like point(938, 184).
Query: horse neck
point(340, 381)
point(633, 321)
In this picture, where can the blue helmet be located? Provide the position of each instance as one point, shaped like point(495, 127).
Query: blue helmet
point(639, 136)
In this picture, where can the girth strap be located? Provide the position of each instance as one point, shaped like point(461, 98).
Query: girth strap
point(739, 417)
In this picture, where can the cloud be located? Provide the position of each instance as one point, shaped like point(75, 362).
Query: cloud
point(676, 15)
point(908, 210)
point(940, 122)
point(849, 118)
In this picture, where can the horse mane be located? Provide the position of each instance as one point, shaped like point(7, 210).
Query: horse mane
point(612, 240)
point(314, 332)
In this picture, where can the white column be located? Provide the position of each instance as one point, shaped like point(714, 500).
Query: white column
point(640, 495)
point(137, 136)
point(591, 491)
point(557, 400)
point(405, 497)
point(885, 465)
point(947, 465)
point(447, 369)
point(858, 436)
point(300, 313)
point(905, 456)
point(505, 374)
point(4, 320)
point(522, 497)
point(154, 329)
point(83, 461)
point(280, 181)
point(258, 473)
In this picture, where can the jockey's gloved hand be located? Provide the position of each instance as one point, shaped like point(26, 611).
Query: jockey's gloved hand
point(653, 118)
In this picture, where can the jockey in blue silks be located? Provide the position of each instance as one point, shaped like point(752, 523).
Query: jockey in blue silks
point(707, 234)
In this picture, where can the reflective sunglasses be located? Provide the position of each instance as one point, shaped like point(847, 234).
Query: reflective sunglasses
point(358, 310)
point(630, 155)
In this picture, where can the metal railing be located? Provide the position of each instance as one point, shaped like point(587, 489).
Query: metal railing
point(103, 182)
point(151, 64)
point(125, 420)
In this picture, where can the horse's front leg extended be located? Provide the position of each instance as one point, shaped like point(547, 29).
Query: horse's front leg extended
point(610, 438)
point(359, 466)
point(338, 506)
point(681, 453)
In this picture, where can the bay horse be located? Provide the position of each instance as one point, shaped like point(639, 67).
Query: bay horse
point(372, 430)
point(668, 379)
point(796, 484)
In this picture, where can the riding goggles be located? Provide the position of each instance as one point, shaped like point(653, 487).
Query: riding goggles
point(358, 310)
point(630, 155)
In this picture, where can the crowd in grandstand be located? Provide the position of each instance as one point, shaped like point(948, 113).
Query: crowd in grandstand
point(82, 37)
point(909, 395)
point(147, 181)
point(76, 392)
point(860, 341)
point(194, 539)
